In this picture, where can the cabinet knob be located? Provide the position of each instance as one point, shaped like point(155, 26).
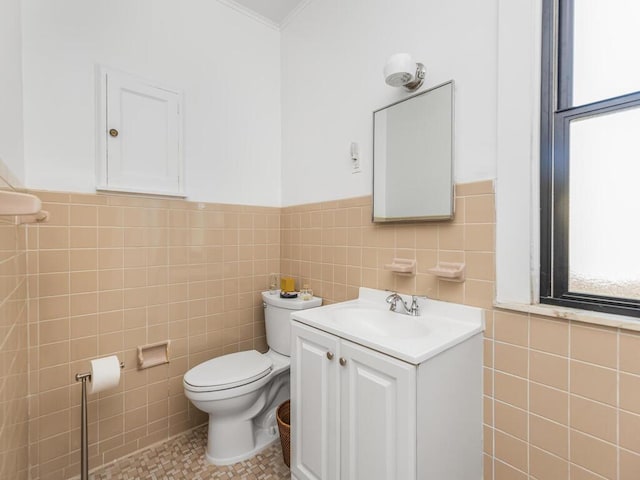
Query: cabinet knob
point(343, 361)
point(113, 132)
point(330, 355)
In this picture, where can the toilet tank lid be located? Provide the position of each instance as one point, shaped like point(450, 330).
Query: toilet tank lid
point(290, 303)
point(230, 370)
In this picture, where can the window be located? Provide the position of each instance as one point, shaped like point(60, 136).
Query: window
point(590, 155)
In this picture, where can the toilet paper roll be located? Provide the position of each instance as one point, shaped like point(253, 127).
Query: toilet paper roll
point(105, 374)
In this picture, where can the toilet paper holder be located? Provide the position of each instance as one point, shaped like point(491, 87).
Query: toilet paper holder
point(84, 445)
point(87, 375)
point(153, 354)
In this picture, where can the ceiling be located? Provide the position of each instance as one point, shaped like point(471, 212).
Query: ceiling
point(273, 10)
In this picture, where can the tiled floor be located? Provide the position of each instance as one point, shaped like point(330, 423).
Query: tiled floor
point(183, 458)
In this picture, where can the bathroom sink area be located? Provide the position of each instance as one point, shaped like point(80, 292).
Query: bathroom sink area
point(401, 394)
point(374, 322)
point(368, 321)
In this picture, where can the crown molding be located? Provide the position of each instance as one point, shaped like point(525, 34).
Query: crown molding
point(251, 14)
point(294, 13)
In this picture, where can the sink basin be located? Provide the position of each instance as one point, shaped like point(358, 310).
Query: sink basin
point(367, 321)
point(380, 323)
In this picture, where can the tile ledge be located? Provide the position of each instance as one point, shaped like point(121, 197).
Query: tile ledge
point(585, 316)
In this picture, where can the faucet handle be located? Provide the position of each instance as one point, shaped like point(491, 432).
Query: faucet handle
point(415, 307)
point(392, 301)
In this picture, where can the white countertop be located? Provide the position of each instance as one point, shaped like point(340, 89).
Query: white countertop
point(413, 339)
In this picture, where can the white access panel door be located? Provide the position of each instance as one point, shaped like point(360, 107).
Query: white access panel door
point(315, 445)
point(141, 137)
point(378, 430)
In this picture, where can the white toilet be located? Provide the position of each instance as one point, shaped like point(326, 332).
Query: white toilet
point(241, 391)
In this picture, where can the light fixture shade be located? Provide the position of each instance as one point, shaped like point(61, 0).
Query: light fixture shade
point(401, 71)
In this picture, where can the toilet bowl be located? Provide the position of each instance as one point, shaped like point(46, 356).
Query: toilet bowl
point(241, 391)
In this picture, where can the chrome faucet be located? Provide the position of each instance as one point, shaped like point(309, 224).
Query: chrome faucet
point(413, 310)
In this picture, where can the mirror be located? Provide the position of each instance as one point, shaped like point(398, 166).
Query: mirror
point(413, 157)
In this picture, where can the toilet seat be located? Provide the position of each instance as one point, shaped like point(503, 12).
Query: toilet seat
point(228, 371)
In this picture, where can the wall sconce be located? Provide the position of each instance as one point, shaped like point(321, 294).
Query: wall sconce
point(401, 71)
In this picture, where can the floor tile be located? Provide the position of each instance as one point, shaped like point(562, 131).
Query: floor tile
point(182, 457)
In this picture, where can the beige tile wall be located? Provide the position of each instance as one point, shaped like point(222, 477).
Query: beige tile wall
point(13, 353)
point(110, 273)
point(562, 399)
point(334, 247)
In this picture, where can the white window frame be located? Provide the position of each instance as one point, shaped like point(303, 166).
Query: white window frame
point(518, 168)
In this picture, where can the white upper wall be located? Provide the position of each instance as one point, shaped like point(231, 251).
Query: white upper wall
point(279, 138)
point(226, 63)
point(333, 53)
point(11, 135)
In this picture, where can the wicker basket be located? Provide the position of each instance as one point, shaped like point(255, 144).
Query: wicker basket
point(284, 425)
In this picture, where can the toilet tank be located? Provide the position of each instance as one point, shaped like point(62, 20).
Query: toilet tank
point(277, 313)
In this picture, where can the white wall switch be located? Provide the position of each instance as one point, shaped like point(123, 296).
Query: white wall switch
point(355, 157)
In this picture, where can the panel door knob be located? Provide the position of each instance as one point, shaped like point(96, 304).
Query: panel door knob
point(343, 361)
point(330, 355)
point(113, 132)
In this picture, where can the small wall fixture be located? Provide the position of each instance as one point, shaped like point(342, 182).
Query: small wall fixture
point(24, 207)
point(401, 71)
point(153, 354)
point(402, 266)
point(453, 272)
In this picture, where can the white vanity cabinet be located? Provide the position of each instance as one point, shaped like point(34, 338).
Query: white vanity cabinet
point(353, 410)
point(315, 404)
point(377, 395)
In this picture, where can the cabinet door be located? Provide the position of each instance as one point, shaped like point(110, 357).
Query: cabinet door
point(378, 415)
point(315, 444)
point(140, 136)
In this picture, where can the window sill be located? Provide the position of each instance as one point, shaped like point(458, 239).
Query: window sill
point(585, 316)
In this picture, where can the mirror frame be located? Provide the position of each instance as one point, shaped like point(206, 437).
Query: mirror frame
point(375, 219)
